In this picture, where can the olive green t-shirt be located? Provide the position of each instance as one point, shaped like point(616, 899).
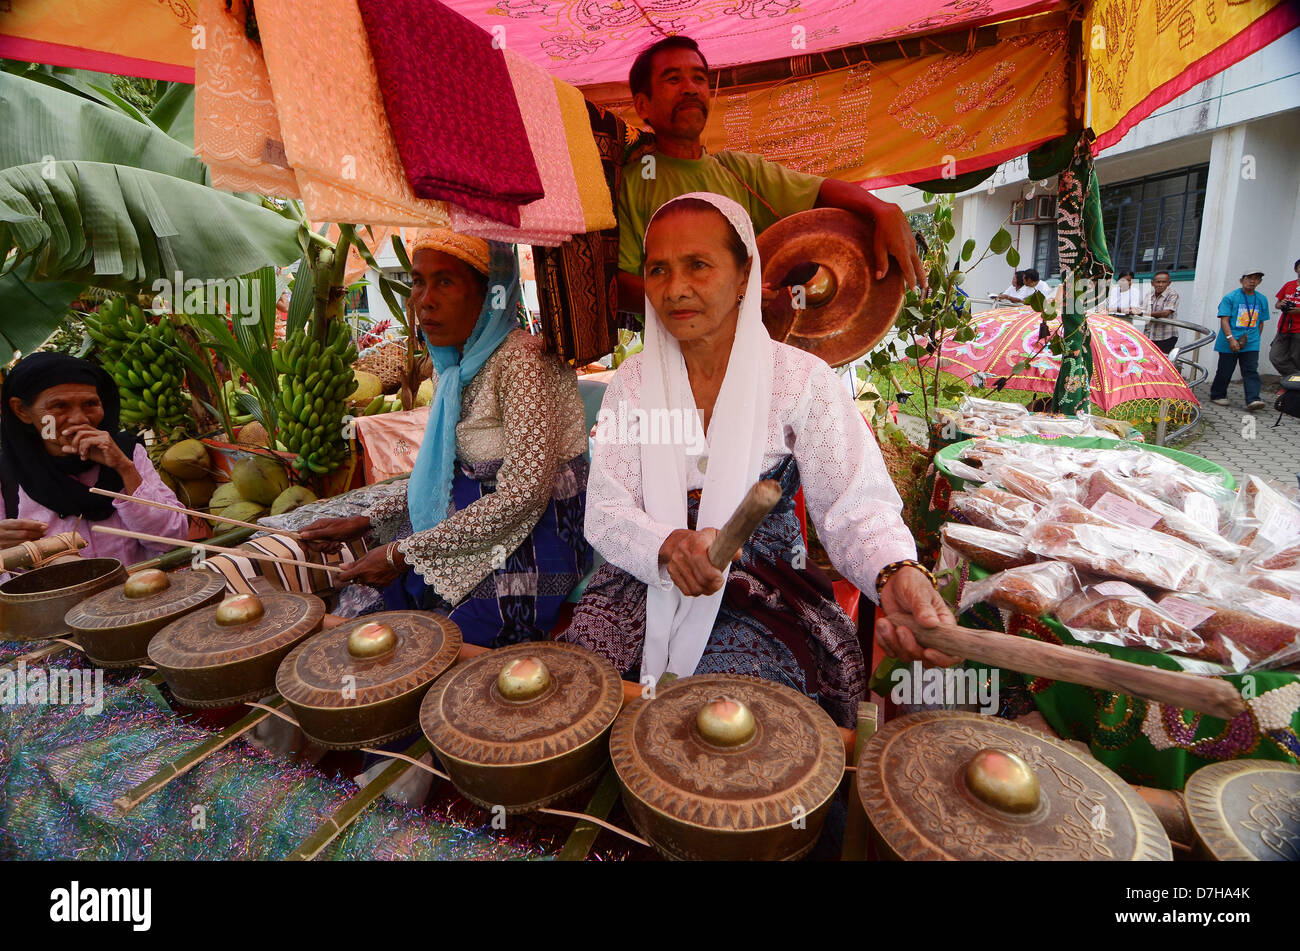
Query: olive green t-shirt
point(647, 185)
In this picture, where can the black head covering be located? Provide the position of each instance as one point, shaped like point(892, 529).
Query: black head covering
point(49, 479)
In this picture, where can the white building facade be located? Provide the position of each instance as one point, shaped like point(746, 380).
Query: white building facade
point(1205, 187)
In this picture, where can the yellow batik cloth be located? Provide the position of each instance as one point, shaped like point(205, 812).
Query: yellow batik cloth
point(593, 190)
point(336, 133)
point(236, 130)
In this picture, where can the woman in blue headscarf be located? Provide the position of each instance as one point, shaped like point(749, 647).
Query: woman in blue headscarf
point(491, 528)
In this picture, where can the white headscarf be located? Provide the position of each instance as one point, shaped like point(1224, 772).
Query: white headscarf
point(678, 627)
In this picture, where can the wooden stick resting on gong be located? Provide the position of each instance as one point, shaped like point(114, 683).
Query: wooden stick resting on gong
point(184, 511)
point(753, 508)
point(221, 549)
point(1176, 689)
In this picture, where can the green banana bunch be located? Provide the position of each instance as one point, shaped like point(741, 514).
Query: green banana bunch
point(143, 360)
point(313, 397)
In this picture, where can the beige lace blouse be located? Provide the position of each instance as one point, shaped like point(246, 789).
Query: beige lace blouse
point(523, 409)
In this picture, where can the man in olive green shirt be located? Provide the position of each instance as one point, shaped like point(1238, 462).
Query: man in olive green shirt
point(670, 90)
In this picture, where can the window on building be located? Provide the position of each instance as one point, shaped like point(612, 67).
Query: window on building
point(1045, 255)
point(1154, 223)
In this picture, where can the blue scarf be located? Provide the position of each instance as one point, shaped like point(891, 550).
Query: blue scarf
point(429, 490)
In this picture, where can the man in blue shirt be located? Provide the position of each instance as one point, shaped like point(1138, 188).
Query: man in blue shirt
point(1241, 314)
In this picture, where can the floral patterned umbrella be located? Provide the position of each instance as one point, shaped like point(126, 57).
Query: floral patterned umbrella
point(1127, 367)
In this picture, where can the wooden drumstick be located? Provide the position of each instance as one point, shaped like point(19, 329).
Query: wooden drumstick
point(1209, 695)
point(208, 515)
point(753, 508)
point(220, 549)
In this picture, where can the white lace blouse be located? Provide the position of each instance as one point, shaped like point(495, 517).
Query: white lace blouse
point(850, 498)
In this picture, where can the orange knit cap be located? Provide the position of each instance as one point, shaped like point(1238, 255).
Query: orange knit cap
point(473, 251)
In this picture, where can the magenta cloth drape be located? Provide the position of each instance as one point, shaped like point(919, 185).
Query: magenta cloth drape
point(458, 130)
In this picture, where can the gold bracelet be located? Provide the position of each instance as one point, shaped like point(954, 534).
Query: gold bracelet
point(893, 568)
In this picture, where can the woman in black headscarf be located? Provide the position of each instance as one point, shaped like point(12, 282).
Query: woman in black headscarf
point(59, 436)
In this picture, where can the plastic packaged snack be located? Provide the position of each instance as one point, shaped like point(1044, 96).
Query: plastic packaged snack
point(1029, 486)
point(992, 508)
point(994, 551)
point(1122, 502)
point(1281, 558)
point(1257, 632)
point(1277, 516)
point(1115, 612)
point(1284, 584)
point(1034, 590)
point(1140, 556)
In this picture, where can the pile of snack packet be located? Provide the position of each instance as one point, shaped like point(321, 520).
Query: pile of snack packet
point(1129, 547)
point(988, 418)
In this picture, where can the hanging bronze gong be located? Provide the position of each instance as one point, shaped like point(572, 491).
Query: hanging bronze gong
point(727, 767)
point(829, 302)
point(525, 725)
point(115, 626)
point(361, 683)
point(33, 604)
point(953, 785)
point(229, 652)
point(1246, 809)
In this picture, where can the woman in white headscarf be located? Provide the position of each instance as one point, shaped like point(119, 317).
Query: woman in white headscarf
point(658, 492)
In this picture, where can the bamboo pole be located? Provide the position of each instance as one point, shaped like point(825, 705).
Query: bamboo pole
point(240, 552)
point(347, 813)
point(184, 511)
point(42, 652)
point(599, 806)
point(187, 761)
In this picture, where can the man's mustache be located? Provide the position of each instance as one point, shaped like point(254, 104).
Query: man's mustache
point(691, 102)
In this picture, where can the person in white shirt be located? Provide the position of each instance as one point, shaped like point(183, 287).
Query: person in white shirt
point(1124, 298)
point(655, 500)
point(1012, 294)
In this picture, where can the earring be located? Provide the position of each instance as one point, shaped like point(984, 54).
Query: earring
point(740, 299)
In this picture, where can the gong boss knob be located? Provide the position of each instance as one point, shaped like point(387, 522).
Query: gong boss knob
point(523, 679)
point(1003, 780)
point(725, 722)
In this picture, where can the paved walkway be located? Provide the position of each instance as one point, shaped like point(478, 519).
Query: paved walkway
point(1244, 442)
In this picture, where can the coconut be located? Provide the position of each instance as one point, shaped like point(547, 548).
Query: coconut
point(187, 459)
point(251, 434)
point(424, 395)
point(368, 387)
point(291, 498)
point(259, 479)
point(245, 511)
point(196, 493)
point(225, 496)
point(169, 480)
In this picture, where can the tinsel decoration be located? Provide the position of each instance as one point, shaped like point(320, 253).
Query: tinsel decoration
point(61, 769)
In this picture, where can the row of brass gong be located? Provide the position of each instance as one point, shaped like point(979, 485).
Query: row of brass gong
point(712, 767)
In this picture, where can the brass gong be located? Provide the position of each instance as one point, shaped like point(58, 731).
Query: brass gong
point(727, 767)
point(115, 626)
point(361, 683)
point(961, 786)
point(829, 301)
point(524, 726)
point(1246, 809)
point(228, 653)
point(33, 604)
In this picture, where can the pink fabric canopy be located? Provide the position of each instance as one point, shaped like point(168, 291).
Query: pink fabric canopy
point(584, 42)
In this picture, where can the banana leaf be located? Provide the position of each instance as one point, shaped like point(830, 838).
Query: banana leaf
point(121, 227)
point(174, 113)
point(45, 124)
point(31, 310)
